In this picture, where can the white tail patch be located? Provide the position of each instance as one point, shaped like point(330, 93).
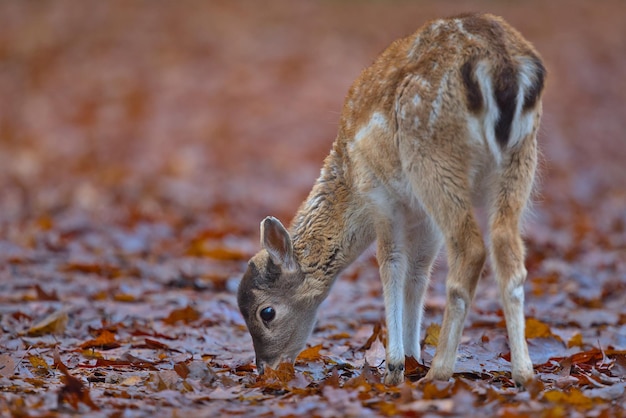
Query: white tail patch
point(492, 112)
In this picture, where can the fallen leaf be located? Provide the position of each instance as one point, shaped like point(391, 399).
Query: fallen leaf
point(43, 295)
point(432, 334)
point(7, 365)
point(537, 329)
point(105, 341)
point(73, 390)
point(40, 365)
point(575, 341)
point(376, 335)
point(182, 369)
point(376, 354)
point(310, 354)
point(574, 397)
point(54, 323)
point(131, 381)
point(186, 315)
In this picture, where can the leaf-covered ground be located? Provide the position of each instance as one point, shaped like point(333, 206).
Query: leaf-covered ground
point(141, 144)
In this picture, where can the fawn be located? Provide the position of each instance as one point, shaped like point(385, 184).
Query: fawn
point(442, 120)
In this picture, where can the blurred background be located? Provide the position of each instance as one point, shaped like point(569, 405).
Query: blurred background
point(217, 113)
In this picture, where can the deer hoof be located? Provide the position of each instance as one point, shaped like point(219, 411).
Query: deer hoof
point(394, 375)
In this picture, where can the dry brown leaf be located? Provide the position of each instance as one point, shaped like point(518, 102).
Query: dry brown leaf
point(73, 390)
point(182, 369)
point(7, 365)
point(54, 323)
point(376, 354)
point(376, 334)
point(43, 295)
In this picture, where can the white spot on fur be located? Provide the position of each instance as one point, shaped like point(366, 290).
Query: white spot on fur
point(436, 106)
point(461, 28)
point(417, 100)
point(523, 123)
point(377, 121)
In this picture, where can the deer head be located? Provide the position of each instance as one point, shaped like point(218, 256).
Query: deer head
point(278, 312)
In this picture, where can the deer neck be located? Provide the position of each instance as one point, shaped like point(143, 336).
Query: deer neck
point(329, 230)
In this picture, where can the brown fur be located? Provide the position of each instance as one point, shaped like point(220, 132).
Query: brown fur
point(441, 120)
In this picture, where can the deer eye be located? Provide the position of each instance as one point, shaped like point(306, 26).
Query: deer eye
point(267, 314)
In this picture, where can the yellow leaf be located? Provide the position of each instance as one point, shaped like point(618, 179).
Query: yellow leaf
point(574, 397)
point(432, 334)
point(131, 381)
point(91, 354)
point(38, 362)
point(575, 341)
point(124, 297)
point(537, 329)
point(52, 324)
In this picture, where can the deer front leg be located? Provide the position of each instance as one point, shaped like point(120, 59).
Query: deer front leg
point(393, 270)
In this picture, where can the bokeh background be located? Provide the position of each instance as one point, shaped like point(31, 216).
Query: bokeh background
point(222, 111)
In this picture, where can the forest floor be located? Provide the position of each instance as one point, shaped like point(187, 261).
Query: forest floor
point(141, 145)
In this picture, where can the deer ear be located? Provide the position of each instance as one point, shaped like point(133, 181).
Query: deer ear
point(276, 240)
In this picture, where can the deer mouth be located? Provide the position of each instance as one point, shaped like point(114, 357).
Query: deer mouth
point(262, 365)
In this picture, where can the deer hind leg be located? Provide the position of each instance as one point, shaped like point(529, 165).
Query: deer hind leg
point(423, 244)
point(507, 250)
point(441, 184)
point(392, 259)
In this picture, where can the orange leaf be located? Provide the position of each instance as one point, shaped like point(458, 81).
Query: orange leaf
point(413, 369)
point(277, 379)
point(437, 390)
point(187, 315)
point(200, 248)
point(105, 341)
point(310, 354)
